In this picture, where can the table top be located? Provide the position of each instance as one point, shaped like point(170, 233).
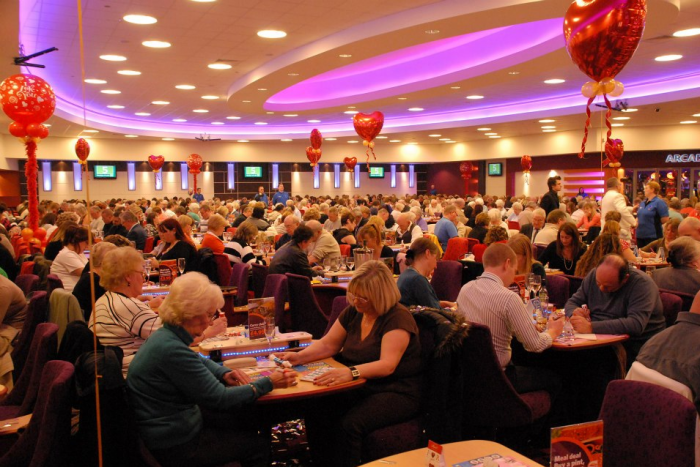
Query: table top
point(455, 453)
point(653, 264)
point(602, 340)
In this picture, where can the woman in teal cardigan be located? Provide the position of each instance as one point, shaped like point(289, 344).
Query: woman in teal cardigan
point(169, 385)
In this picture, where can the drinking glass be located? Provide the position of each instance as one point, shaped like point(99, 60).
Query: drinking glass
point(147, 270)
point(341, 264)
point(528, 284)
point(270, 329)
point(350, 263)
point(181, 265)
point(266, 248)
point(228, 236)
point(536, 283)
point(335, 264)
point(327, 264)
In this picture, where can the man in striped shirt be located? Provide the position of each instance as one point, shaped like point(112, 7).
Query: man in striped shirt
point(487, 301)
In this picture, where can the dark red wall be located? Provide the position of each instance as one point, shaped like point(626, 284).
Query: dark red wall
point(448, 179)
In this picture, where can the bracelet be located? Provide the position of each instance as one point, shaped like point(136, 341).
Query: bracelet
point(255, 390)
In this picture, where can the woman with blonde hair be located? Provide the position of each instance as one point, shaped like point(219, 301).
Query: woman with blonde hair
point(238, 249)
point(377, 338)
point(215, 230)
point(614, 228)
point(371, 235)
point(55, 242)
point(186, 222)
point(82, 289)
point(526, 263)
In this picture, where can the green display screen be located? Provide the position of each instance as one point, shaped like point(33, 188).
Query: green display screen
point(495, 169)
point(252, 171)
point(105, 171)
point(376, 172)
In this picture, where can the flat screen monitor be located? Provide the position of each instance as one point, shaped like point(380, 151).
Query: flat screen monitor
point(105, 171)
point(251, 171)
point(376, 172)
point(495, 169)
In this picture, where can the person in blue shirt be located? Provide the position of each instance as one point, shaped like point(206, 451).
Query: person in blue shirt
point(281, 196)
point(199, 197)
point(261, 196)
point(445, 229)
point(652, 213)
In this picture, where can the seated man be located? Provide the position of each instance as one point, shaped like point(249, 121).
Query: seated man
point(446, 228)
point(675, 352)
point(290, 225)
point(292, 257)
point(535, 224)
point(407, 232)
point(323, 245)
point(620, 300)
point(488, 301)
point(548, 234)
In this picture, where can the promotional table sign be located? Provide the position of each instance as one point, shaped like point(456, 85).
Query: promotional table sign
point(167, 272)
point(492, 460)
point(434, 457)
point(258, 310)
point(579, 445)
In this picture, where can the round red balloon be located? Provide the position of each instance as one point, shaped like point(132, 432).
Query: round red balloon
point(602, 35)
point(316, 139)
point(156, 162)
point(82, 149)
point(526, 163)
point(368, 126)
point(350, 163)
point(27, 99)
point(313, 155)
point(18, 130)
point(194, 163)
point(466, 169)
point(37, 130)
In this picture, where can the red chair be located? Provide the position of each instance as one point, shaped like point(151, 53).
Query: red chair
point(277, 237)
point(259, 276)
point(574, 283)
point(447, 279)
point(672, 305)
point(37, 313)
point(27, 282)
point(231, 230)
point(345, 250)
point(478, 251)
point(558, 288)
point(472, 242)
point(276, 287)
point(457, 247)
point(306, 312)
point(513, 225)
point(686, 297)
point(149, 245)
point(27, 267)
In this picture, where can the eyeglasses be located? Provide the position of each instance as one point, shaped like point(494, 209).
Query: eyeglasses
point(355, 299)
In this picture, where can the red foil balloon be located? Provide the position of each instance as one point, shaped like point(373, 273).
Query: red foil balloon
point(27, 99)
point(602, 35)
point(350, 163)
point(466, 169)
point(156, 162)
point(526, 163)
point(82, 150)
point(194, 163)
point(316, 139)
point(368, 126)
point(614, 150)
point(314, 155)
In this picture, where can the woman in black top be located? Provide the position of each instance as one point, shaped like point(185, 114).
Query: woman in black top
point(565, 251)
point(174, 245)
point(347, 226)
point(481, 227)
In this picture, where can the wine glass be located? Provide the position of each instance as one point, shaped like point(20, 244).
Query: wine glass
point(335, 264)
point(327, 264)
point(228, 236)
point(181, 265)
point(341, 264)
point(350, 263)
point(147, 270)
point(270, 329)
point(266, 248)
point(536, 283)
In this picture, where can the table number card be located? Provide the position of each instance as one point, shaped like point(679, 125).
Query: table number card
point(577, 445)
point(258, 310)
point(167, 272)
point(434, 457)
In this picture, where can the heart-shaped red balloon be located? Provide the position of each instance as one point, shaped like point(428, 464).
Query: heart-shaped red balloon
point(368, 126)
point(614, 150)
point(316, 139)
point(350, 163)
point(194, 163)
point(602, 35)
point(313, 155)
point(156, 162)
point(82, 150)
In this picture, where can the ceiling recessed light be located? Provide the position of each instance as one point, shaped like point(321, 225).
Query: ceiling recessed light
point(83, 136)
point(217, 123)
point(402, 98)
point(668, 58)
point(110, 91)
point(547, 120)
point(351, 107)
point(246, 102)
point(232, 117)
point(381, 137)
point(243, 141)
point(292, 74)
point(160, 102)
point(270, 113)
point(95, 81)
point(494, 137)
point(432, 31)
point(204, 1)
point(262, 89)
point(475, 97)
point(48, 125)
point(131, 136)
point(313, 121)
point(455, 87)
point(350, 112)
point(394, 140)
point(416, 109)
point(345, 55)
point(113, 58)
point(219, 66)
point(142, 114)
point(271, 34)
point(513, 73)
point(554, 81)
point(548, 131)
point(329, 139)
point(696, 115)
point(450, 142)
point(353, 141)
point(688, 122)
point(548, 127)
point(621, 118)
point(156, 44)
point(260, 123)
point(490, 134)
point(286, 140)
point(129, 72)
point(90, 131)
point(115, 106)
point(434, 136)
point(179, 120)
point(630, 110)
point(168, 139)
point(483, 129)
point(210, 98)
point(140, 19)
point(290, 115)
point(687, 32)
point(444, 139)
point(185, 86)
point(200, 111)
point(617, 124)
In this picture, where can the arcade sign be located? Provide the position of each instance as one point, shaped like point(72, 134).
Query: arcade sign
point(682, 158)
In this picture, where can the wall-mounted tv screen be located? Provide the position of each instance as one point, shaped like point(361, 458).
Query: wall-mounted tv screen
point(105, 171)
point(376, 172)
point(252, 171)
point(495, 169)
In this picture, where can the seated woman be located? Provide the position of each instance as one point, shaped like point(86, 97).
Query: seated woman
point(565, 252)
point(215, 230)
point(420, 222)
point(605, 244)
point(413, 282)
point(613, 228)
point(71, 260)
point(82, 290)
point(55, 241)
point(13, 311)
point(523, 251)
point(481, 227)
point(378, 339)
point(494, 235)
point(238, 249)
point(151, 226)
point(590, 218)
point(172, 389)
point(651, 250)
point(371, 236)
point(347, 226)
point(174, 245)
point(683, 275)
point(186, 222)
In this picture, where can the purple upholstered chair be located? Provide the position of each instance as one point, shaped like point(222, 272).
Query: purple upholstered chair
point(558, 288)
point(447, 280)
point(686, 297)
point(46, 441)
point(339, 304)
point(490, 400)
point(574, 283)
point(27, 282)
point(259, 275)
point(673, 304)
point(37, 312)
point(646, 424)
point(240, 277)
point(276, 286)
point(223, 269)
point(53, 282)
point(306, 312)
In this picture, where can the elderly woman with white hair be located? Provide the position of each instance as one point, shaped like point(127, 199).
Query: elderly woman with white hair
point(173, 389)
point(683, 275)
point(419, 221)
point(516, 209)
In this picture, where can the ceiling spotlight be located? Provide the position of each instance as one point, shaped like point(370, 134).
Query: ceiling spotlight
point(345, 55)
point(270, 113)
point(432, 31)
point(554, 81)
point(115, 106)
point(179, 120)
point(551, 131)
point(260, 123)
point(210, 98)
point(490, 134)
point(129, 72)
point(483, 129)
point(200, 111)
point(444, 139)
point(113, 58)
point(434, 136)
point(156, 44)
point(494, 137)
point(394, 140)
point(455, 87)
point(89, 131)
point(313, 121)
point(204, 1)
point(412, 143)
point(353, 141)
point(168, 139)
point(95, 81)
point(160, 102)
point(617, 124)
point(475, 97)
point(628, 110)
point(513, 73)
point(219, 66)
point(402, 98)
point(246, 102)
point(548, 120)
point(243, 141)
point(271, 34)
point(140, 19)
point(548, 127)
point(110, 91)
point(292, 74)
point(286, 140)
point(233, 118)
point(290, 115)
point(217, 123)
point(329, 139)
point(381, 137)
point(450, 142)
point(262, 89)
point(687, 32)
point(142, 114)
point(416, 109)
point(621, 118)
point(185, 86)
point(668, 58)
point(350, 112)
point(131, 136)
point(688, 122)
point(48, 125)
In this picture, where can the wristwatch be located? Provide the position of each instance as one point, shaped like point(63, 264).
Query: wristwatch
point(355, 372)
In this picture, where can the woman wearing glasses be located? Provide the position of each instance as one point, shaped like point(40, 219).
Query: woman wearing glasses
point(377, 338)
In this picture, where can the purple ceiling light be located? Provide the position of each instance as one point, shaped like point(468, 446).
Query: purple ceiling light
point(423, 66)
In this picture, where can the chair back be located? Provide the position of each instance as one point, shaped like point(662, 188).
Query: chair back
point(27, 282)
point(447, 279)
point(223, 269)
point(646, 424)
point(558, 289)
point(592, 234)
point(63, 309)
point(231, 230)
point(240, 277)
point(46, 441)
point(37, 313)
point(277, 237)
point(574, 283)
point(457, 247)
point(276, 287)
point(478, 251)
point(513, 225)
point(672, 305)
point(53, 282)
point(345, 249)
point(27, 267)
point(537, 250)
point(431, 228)
point(472, 242)
point(41, 351)
point(149, 245)
point(686, 297)
point(339, 304)
point(259, 275)
point(306, 312)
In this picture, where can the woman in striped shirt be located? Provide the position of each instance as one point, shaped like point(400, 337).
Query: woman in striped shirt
point(238, 249)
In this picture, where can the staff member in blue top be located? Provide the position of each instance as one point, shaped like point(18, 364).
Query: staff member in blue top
point(652, 213)
point(446, 228)
point(413, 283)
point(261, 196)
point(281, 196)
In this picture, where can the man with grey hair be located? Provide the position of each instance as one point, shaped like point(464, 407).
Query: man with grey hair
point(532, 229)
point(525, 216)
point(135, 232)
point(407, 231)
point(614, 200)
point(322, 245)
point(333, 222)
point(290, 225)
point(516, 209)
point(690, 227)
point(96, 222)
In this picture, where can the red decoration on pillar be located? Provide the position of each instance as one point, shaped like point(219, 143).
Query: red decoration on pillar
point(466, 168)
point(526, 164)
point(194, 164)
